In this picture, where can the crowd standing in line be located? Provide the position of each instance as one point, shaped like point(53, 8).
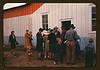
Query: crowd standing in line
point(56, 45)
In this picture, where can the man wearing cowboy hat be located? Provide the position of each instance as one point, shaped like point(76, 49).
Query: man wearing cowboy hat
point(56, 32)
point(71, 36)
point(39, 45)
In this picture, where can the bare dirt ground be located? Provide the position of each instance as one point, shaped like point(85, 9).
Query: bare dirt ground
point(21, 60)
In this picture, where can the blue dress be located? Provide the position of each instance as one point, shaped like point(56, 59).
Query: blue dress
point(77, 47)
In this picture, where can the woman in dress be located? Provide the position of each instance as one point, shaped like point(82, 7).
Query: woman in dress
point(77, 48)
point(13, 42)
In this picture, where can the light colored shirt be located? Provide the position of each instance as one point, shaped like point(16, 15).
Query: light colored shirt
point(71, 35)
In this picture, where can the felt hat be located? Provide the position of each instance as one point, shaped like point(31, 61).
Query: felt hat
point(55, 27)
point(41, 29)
point(72, 25)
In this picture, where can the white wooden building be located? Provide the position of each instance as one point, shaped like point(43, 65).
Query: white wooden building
point(49, 15)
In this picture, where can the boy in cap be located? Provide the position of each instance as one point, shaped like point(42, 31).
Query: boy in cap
point(89, 51)
point(59, 51)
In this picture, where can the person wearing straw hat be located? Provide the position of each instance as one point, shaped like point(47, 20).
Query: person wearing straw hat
point(71, 37)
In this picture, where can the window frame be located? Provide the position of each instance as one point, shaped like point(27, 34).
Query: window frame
point(92, 32)
point(44, 23)
point(92, 19)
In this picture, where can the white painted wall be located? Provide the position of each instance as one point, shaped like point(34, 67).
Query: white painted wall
point(18, 24)
point(78, 13)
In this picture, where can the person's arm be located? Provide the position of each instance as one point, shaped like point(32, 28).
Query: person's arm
point(38, 36)
point(28, 36)
point(15, 38)
point(9, 39)
point(58, 34)
point(27, 52)
point(49, 37)
point(93, 50)
point(66, 35)
point(57, 47)
point(79, 38)
point(85, 50)
point(76, 35)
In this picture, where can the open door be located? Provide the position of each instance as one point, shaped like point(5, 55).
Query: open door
point(66, 24)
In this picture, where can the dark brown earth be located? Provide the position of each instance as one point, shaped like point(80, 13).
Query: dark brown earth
point(21, 60)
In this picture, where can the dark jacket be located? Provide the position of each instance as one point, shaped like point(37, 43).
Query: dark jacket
point(58, 34)
point(11, 39)
point(39, 38)
point(59, 48)
point(39, 46)
point(52, 38)
point(63, 35)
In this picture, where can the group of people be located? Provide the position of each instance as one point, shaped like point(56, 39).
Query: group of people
point(56, 45)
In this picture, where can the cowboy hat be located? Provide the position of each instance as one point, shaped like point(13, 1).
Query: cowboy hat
point(55, 27)
point(72, 25)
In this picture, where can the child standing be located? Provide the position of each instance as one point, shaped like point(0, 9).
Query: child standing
point(59, 51)
point(29, 53)
point(89, 51)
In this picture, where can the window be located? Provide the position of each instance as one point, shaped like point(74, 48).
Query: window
point(93, 18)
point(45, 21)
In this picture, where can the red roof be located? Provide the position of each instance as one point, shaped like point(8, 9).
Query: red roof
point(24, 10)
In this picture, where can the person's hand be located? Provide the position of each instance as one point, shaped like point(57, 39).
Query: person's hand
point(31, 52)
point(47, 41)
point(93, 53)
point(8, 43)
point(78, 40)
point(65, 41)
point(84, 51)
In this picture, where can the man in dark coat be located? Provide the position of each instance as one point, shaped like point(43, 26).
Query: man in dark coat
point(56, 32)
point(13, 42)
point(62, 36)
point(39, 46)
point(52, 44)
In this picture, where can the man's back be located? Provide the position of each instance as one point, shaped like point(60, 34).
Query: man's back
point(71, 35)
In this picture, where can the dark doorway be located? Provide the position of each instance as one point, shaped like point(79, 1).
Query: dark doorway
point(66, 25)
